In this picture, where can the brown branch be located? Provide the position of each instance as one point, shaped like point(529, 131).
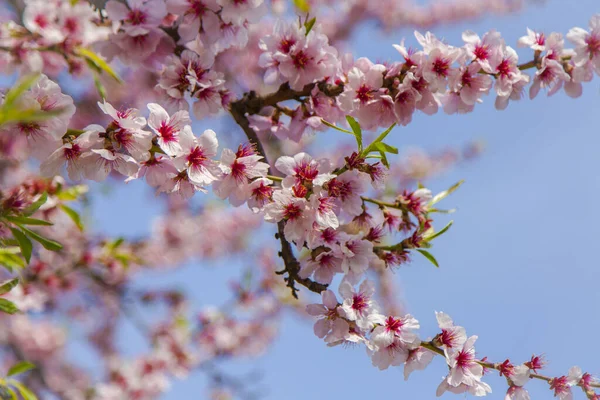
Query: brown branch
point(252, 104)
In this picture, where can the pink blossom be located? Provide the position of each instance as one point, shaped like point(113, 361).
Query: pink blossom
point(237, 12)
point(310, 59)
point(587, 44)
point(358, 253)
point(324, 267)
point(138, 17)
point(157, 170)
point(452, 337)
point(167, 127)
point(126, 131)
point(71, 153)
point(282, 40)
point(481, 49)
point(396, 328)
point(238, 171)
point(324, 210)
point(303, 169)
point(347, 189)
point(326, 311)
point(261, 193)
point(98, 163)
point(194, 15)
point(293, 210)
point(418, 359)
point(196, 156)
point(359, 306)
point(551, 75)
point(534, 40)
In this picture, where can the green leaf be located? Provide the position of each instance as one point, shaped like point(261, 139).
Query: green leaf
point(11, 260)
point(98, 62)
point(28, 221)
point(356, 130)
point(441, 232)
point(445, 193)
point(36, 205)
point(8, 286)
point(16, 91)
point(337, 128)
point(20, 367)
point(387, 148)
point(26, 393)
point(47, 243)
point(309, 25)
point(379, 139)
point(429, 257)
point(74, 215)
point(99, 86)
point(72, 193)
point(8, 307)
point(437, 210)
point(302, 5)
point(24, 243)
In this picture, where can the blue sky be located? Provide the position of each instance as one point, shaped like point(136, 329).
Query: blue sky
point(518, 267)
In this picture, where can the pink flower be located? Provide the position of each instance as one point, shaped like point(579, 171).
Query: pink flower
point(358, 254)
point(364, 82)
point(206, 91)
point(237, 12)
point(438, 66)
point(167, 127)
point(157, 170)
point(310, 59)
point(347, 189)
point(534, 40)
point(282, 40)
point(551, 75)
point(196, 156)
point(326, 311)
point(293, 210)
point(324, 267)
point(359, 306)
point(418, 359)
point(138, 17)
point(587, 44)
point(195, 15)
point(324, 210)
point(396, 328)
point(44, 136)
point(510, 80)
point(303, 169)
point(71, 153)
point(481, 50)
point(238, 171)
point(452, 337)
point(469, 83)
point(261, 193)
point(126, 131)
point(464, 368)
point(98, 163)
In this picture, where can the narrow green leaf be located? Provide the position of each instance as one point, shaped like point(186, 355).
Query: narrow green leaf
point(8, 286)
point(385, 148)
point(36, 205)
point(356, 130)
point(20, 367)
point(72, 193)
point(26, 393)
point(429, 257)
point(74, 215)
point(8, 307)
point(47, 243)
point(98, 61)
point(11, 261)
point(309, 25)
point(24, 243)
point(16, 91)
point(337, 128)
point(437, 210)
point(445, 193)
point(99, 86)
point(441, 232)
point(28, 221)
